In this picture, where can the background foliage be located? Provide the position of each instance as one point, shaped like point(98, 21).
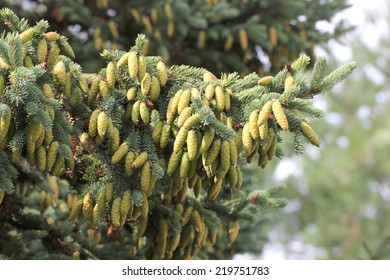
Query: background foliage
point(276, 31)
point(340, 205)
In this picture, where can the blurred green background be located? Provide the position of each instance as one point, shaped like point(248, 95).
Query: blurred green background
point(339, 194)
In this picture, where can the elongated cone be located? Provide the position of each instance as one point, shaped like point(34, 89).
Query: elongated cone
point(140, 160)
point(123, 60)
point(141, 68)
point(41, 50)
point(219, 98)
point(162, 73)
point(310, 134)
point(120, 153)
point(228, 43)
point(192, 121)
point(145, 84)
point(111, 74)
point(280, 116)
point(185, 114)
point(180, 140)
point(27, 35)
point(265, 81)
point(289, 82)
point(51, 36)
point(145, 176)
point(247, 138)
point(264, 113)
point(252, 122)
point(207, 139)
point(192, 145)
point(144, 112)
point(115, 213)
point(273, 36)
point(102, 124)
point(132, 63)
point(243, 37)
point(234, 228)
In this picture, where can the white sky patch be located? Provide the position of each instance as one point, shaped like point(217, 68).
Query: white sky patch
point(343, 53)
point(364, 112)
point(273, 251)
point(382, 189)
point(313, 153)
point(293, 206)
point(375, 74)
point(333, 118)
point(320, 103)
point(343, 142)
point(382, 96)
point(285, 169)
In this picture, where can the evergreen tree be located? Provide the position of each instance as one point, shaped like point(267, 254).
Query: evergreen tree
point(355, 196)
point(223, 36)
point(138, 156)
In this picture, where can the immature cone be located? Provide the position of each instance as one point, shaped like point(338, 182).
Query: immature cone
point(213, 151)
point(219, 98)
point(27, 35)
point(264, 113)
point(145, 84)
point(140, 160)
point(192, 145)
point(131, 93)
point(252, 123)
point(2, 194)
point(53, 55)
point(51, 155)
point(59, 73)
point(289, 82)
point(162, 73)
point(102, 122)
point(144, 112)
point(265, 81)
point(132, 62)
point(51, 36)
point(41, 50)
point(115, 213)
point(310, 134)
point(120, 153)
point(154, 91)
point(141, 67)
point(280, 116)
point(180, 140)
point(111, 74)
point(185, 114)
point(273, 36)
point(145, 176)
point(233, 229)
point(228, 43)
point(243, 37)
point(192, 121)
point(184, 101)
point(130, 157)
point(123, 60)
point(92, 126)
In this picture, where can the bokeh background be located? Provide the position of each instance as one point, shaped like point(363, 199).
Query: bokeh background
point(338, 194)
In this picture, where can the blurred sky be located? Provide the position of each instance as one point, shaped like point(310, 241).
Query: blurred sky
point(366, 33)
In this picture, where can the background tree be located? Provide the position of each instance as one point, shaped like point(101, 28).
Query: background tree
point(340, 206)
point(223, 36)
point(55, 228)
